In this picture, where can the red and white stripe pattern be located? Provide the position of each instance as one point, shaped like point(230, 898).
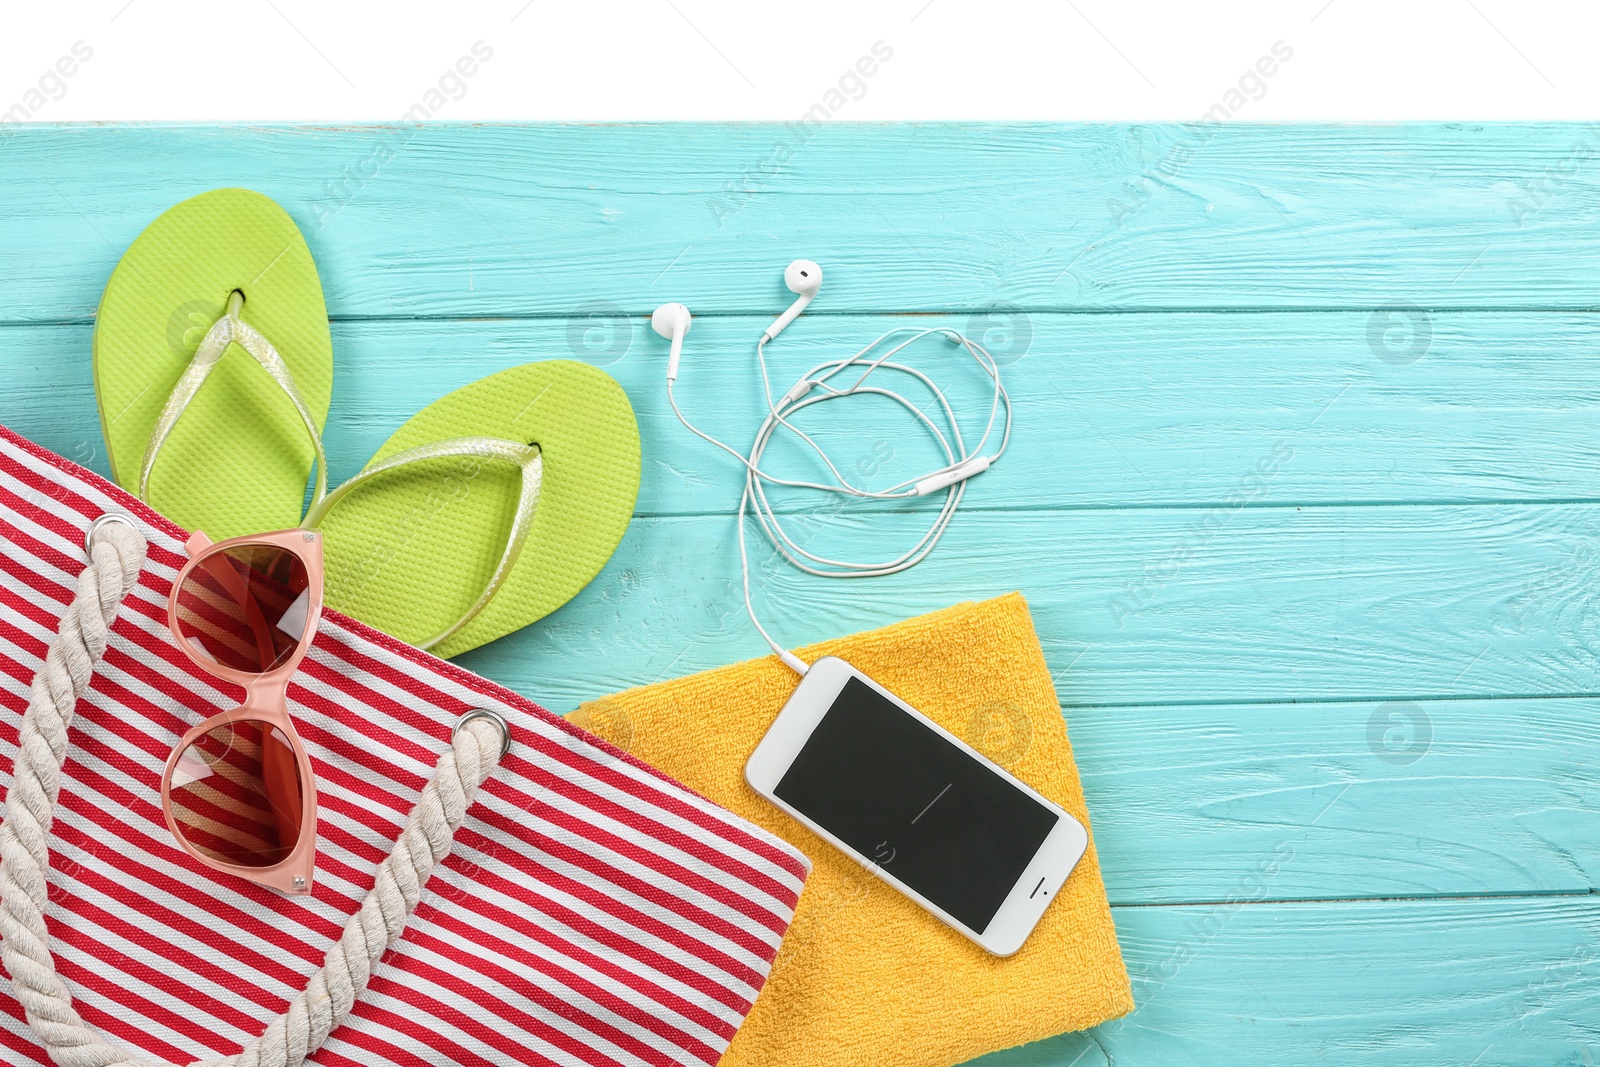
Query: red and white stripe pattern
point(592, 911)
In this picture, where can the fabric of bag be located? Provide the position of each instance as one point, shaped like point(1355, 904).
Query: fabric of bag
point(866, 977)
point(592, 911)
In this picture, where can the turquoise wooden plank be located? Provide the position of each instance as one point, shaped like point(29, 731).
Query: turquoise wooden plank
point(476, 220)
point(1401, 983)
point(1134, 410)
point(1154, 606)
point(1383, 798)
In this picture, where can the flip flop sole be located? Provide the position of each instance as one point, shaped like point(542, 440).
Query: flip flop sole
point(238, 460)
point(409, 552)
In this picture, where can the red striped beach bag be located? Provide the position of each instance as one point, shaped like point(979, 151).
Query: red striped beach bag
point(589, 911)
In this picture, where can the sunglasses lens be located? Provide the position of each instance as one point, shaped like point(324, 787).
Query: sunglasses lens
point(236, 794)
point(245, 608)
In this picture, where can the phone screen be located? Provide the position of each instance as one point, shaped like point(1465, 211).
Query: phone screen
point(927, 812)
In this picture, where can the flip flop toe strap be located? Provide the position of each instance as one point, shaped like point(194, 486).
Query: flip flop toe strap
point(227, 330)
point(528, 460)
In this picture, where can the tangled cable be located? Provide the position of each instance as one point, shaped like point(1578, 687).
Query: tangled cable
point(815, 387)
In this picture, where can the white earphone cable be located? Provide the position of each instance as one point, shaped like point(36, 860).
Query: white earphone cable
point(814, 387)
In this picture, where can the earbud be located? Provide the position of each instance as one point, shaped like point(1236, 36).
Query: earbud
point(803, 278)
point(672, 322)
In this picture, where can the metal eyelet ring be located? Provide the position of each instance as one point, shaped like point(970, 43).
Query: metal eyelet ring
point(105, 520)
point(492, 716)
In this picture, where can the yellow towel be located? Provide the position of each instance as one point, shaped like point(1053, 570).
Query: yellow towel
point(866, 977)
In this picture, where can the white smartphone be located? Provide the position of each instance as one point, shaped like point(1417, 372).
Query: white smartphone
point(915, 805)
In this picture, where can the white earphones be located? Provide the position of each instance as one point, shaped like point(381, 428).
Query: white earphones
point(804, 278)
point(672, 322)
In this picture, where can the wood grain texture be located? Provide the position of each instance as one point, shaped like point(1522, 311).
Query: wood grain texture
point(1112, 411)
point(1399, 983)
point(1170, 606)
point(1302, 490)
point(504, 220)
point(1376, 798)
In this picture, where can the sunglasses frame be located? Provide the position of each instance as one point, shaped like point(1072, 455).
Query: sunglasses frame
point(266, 700)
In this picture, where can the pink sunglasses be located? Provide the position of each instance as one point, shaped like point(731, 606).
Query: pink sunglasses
point(238, 791)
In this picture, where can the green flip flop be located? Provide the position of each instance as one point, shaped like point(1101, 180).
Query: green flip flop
point(213, 367)
point(489, 509)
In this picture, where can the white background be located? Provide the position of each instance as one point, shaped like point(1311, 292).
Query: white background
point(311, 61)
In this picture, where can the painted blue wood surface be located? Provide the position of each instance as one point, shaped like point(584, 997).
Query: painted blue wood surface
point(1302, 491)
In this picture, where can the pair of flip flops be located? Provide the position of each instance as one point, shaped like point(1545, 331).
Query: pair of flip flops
point(213, 370)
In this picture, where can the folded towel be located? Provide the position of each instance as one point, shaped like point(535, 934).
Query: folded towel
point(863, 969)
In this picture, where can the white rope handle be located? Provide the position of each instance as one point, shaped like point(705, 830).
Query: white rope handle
point(117, 552)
